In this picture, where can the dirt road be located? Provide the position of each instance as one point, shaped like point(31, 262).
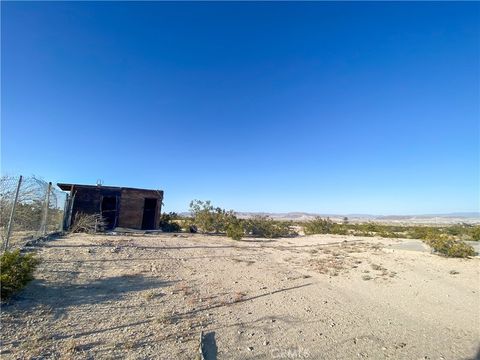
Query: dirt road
point(314, 297)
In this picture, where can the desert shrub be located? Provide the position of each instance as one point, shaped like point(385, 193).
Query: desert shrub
point(318, 226)
point(88, 223)
point(475, 233)
point(209, 218)
point(455, 230)
point(235, 229)
point(423, 232)
point(16, 271)
point(371, 227)
point(339, 229)
point(385, 233)
point(367, 229)
point(266, 227)
point(449, 247)
point(168, 224)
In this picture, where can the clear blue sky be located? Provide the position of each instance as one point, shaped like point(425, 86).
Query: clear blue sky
point(319, 107)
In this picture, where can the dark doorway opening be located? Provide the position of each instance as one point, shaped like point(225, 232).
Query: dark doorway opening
point(109, 211)
point(149, 211)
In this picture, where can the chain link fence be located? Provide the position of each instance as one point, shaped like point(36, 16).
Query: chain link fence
point(29, 208)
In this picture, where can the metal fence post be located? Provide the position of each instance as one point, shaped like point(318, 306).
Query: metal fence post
point(44, 225)
point(70, 209)
point(12, 213)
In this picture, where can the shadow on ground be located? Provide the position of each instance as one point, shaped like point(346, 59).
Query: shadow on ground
point(65, 294)
point(209, 348)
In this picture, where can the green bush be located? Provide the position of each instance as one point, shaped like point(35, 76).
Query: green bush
point(168, 224)
point(387, 234)
point(235, 229)
point(16, 271)
point(339, 229)
point(449, 247)
point(475, 233)
point(263, 226)
point(318, 226)
point(209, 218)
point(424, 232)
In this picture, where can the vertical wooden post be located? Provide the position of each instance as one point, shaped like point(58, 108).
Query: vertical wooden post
point(44, 225)
point(12, 213)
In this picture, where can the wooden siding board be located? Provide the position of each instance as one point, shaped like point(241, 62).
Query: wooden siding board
point(131, 205)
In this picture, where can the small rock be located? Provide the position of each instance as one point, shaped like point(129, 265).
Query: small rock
point(266, 343)
point(250, 348)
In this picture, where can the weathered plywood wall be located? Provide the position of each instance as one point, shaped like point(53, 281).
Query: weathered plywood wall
point(131, 207)
point(88, 200)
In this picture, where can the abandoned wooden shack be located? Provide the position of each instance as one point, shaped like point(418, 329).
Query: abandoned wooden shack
point(119, 206)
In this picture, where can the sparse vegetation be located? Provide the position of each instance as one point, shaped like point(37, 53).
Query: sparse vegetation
point(318, 226)
point(168, 222)
point(449, 247)
point(209, 218)
point(235, 229)
point(87, 223)
point(326, 226)
point(475, 233)
point(16, 271)
point(266, 227)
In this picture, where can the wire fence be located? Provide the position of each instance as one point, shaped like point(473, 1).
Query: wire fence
point(29, 208)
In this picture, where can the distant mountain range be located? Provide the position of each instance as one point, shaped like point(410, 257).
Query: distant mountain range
point(450, 218)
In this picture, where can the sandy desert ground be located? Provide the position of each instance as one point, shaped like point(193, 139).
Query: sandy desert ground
point(310, 297)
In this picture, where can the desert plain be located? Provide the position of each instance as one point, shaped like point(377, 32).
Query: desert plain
point(139, 296)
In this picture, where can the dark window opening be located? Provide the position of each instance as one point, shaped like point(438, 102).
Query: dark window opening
point(149, 212)
point(109, 211)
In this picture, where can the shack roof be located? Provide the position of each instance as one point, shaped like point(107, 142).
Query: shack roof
point(68, 187)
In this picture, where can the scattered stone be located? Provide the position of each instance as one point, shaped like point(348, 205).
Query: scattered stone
point(266, 342)
point(453, 272)
point(250, 348)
